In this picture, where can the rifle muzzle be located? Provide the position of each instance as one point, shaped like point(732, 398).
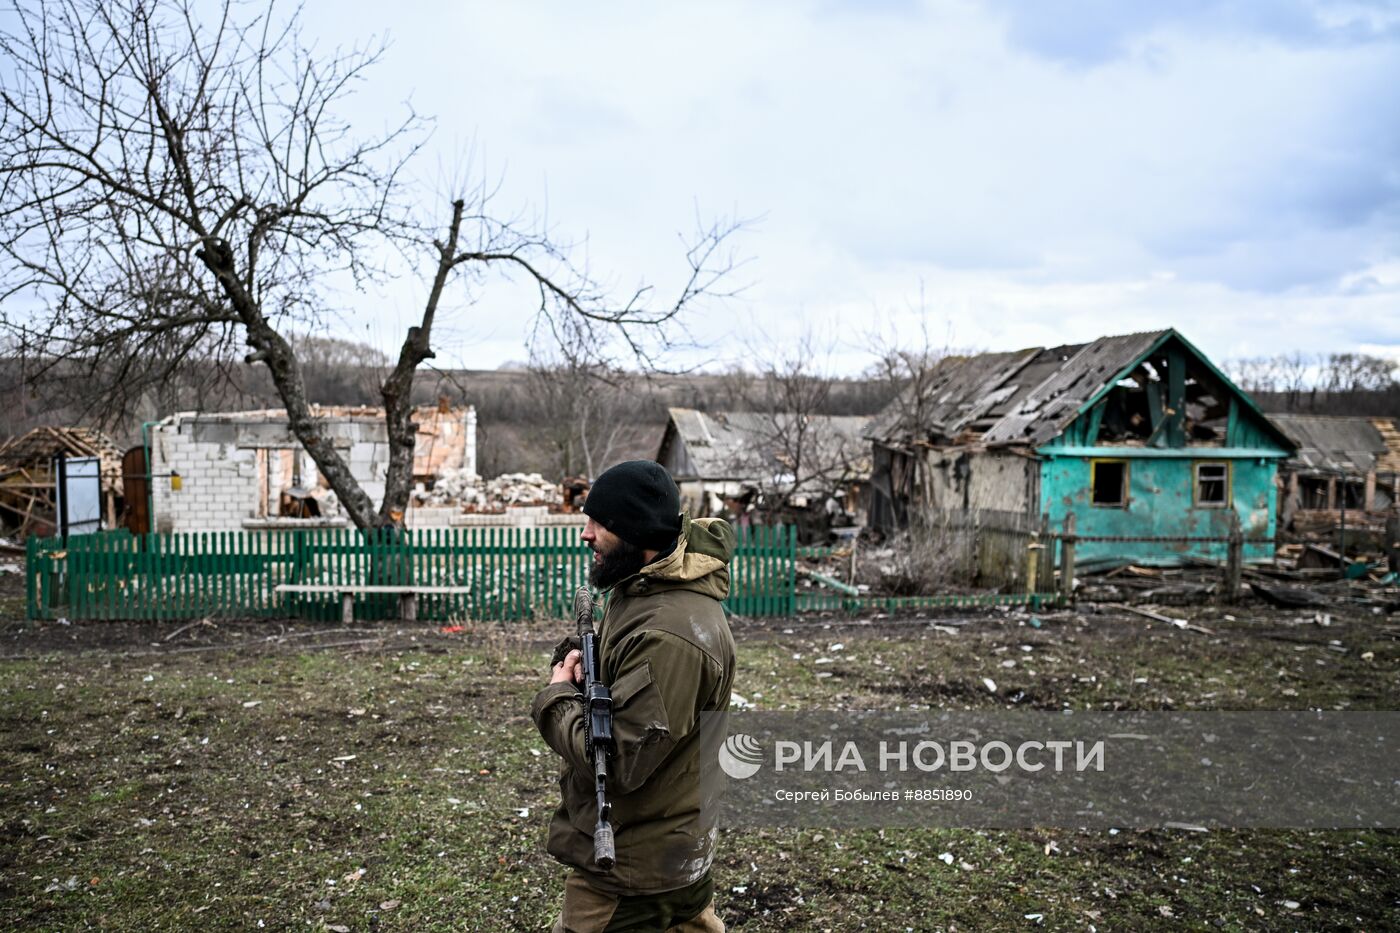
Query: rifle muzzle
point(604, 851)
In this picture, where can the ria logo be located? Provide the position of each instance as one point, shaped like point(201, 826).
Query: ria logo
point(740, 756)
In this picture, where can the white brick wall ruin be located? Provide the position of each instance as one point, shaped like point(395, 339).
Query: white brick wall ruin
point(232, 467)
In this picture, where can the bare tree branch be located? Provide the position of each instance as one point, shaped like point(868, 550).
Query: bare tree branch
point(175, 183)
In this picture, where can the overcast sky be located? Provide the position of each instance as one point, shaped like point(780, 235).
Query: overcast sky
point(1039, 172)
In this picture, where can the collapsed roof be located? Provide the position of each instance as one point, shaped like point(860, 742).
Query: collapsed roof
point(38, 447)
point(1333, 444)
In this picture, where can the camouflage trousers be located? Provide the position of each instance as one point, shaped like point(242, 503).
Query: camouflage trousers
point(588, 910)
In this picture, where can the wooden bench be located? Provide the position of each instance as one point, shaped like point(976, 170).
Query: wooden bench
point(408, 595)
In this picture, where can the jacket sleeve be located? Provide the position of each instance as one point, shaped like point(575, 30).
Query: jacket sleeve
point(658, 688)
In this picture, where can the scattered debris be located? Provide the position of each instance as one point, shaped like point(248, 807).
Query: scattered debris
point(1287, 597)
point(465, 488)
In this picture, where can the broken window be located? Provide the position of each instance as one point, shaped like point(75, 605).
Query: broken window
point(1109, 479)
point(1212, 485)
point(1337, 492)
point(1312, 492)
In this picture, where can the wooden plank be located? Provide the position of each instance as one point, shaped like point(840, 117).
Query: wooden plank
point(528, 584)
point(31, 578)
point(491, 594)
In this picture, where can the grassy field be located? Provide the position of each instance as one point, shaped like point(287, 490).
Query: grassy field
point(268, 776)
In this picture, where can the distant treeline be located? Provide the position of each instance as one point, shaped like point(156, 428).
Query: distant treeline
point(519, 410)
point(518, 420)
point(1322, 384)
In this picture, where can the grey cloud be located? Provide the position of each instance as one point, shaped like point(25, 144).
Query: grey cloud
point(1087, 33)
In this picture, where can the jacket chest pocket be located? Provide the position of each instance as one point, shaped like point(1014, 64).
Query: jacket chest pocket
point(640, 728)
point(632, 685)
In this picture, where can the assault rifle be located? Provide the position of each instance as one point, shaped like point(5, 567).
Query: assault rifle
point(598, 737)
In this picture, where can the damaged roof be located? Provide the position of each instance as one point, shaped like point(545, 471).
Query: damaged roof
point(1342, 444)
point(38, 447)
point(960, 390)
point(1027, 397)
point(1045, 412)
point(742, 445)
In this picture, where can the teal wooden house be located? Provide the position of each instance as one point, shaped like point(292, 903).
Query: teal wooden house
point(1139, 437)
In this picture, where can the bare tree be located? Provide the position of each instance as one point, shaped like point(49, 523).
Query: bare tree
point(589, 413)
point(910, 370)
point(172, 188)
point(339, 371)
point(791, 449)
point(1358, 372)
point(1294, 370)
point(1256, 373)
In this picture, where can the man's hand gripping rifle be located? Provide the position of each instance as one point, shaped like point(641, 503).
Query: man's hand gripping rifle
point(598, 740)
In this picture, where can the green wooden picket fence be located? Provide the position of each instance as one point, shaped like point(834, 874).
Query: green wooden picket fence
point(507, 573)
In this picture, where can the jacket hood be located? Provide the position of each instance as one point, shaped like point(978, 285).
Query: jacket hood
point(699, 561)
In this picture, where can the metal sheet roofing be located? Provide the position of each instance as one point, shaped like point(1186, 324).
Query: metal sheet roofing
point(1340, 444)
point(1026, 397)
point(1047, 410)
point(743, 445)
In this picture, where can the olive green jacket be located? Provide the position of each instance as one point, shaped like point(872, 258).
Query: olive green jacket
point(668, 655)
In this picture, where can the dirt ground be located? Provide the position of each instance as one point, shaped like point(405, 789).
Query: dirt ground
point(291, 775)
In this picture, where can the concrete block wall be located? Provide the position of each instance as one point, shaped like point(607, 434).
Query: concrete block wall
point(217, 457)
point(219, 482)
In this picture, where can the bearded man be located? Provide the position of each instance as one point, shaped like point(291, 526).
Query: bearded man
point(668, 656)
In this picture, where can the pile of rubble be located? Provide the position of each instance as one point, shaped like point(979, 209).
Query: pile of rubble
point(475, 494)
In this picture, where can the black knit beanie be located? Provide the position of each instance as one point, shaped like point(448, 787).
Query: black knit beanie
point(638, 501)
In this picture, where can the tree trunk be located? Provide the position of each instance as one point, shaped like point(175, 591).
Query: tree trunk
point(397, 390)
point(270, 348)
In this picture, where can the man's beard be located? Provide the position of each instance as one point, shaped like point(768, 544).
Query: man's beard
point(616, 565)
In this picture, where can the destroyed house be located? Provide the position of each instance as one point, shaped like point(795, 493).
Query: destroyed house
point(1346, 472)
point(1136, 436)
point(29, 474)
point(246, 470)
point(724, 461)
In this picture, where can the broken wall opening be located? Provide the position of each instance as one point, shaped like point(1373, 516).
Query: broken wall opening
point(289, 484)
point(1169, 399)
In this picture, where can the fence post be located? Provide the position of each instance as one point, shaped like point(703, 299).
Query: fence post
point(1047, 555)
point(1032, 561)
point(790, 571)
point(1067, 560)
point(1392, 543)
point(1234, 563)
point(31, 577)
